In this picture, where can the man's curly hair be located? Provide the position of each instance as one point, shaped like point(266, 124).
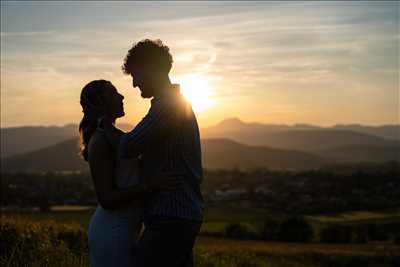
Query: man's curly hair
point(148, 52)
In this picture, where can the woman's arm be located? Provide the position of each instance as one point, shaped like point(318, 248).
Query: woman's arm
point(101, 162)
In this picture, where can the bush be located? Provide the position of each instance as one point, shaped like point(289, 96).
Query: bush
point(377, 233)
point(397, 240)
point(359, 234)
point(74, 237)
point(292, 229)
point(241, 231)
point(336, 234)
point(295, 229)
point(270, 230)
point(355, 233)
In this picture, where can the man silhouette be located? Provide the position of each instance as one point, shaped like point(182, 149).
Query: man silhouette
point(166, 139)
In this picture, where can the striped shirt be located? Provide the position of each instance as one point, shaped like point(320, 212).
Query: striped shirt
point(168, 139)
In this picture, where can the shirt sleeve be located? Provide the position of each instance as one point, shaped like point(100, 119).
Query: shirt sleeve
point(155, 126)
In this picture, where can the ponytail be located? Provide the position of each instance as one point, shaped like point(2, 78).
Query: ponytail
point(88, 124)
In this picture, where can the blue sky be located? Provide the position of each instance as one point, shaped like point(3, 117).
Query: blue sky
point(291, 62)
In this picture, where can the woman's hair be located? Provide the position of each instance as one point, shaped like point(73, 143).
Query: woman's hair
point(90, 94)
point(148, 52)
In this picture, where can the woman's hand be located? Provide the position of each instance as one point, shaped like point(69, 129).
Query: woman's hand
point(165, 181)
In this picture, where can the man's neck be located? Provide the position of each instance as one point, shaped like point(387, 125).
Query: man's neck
point(165, 88)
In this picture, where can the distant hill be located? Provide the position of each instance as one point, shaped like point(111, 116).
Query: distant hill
point(228, 154)
point(217, 154)
point(303, 137)
point(59, 157)
point(236, 125)
point(298, 137)
point(363, 153)
point(385, 131)
point(19, 140)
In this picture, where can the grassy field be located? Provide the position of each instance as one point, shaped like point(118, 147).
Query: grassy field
point(210, 251)
point(216, 218)
point(358, 217)
point(295, 254)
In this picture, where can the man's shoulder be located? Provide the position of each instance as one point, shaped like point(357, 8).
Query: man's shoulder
point(169, 103)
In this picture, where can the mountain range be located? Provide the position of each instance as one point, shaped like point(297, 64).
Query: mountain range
point(229, 144)
point(303, 136)
point(19, 140)
point(217, 154)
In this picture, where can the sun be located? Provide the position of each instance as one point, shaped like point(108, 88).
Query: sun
point(197, 91)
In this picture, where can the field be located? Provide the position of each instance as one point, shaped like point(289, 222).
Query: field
point(212, 248)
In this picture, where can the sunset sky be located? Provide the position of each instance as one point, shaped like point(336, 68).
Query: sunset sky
point(321, 63)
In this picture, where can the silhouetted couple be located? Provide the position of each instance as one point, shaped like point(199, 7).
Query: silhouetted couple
point(149, 176)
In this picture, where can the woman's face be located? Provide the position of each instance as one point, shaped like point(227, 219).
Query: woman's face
point(114, 107)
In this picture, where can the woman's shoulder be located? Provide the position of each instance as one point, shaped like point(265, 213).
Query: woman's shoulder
point(98, 143)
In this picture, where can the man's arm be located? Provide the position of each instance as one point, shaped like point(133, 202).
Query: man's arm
point(100, 159)
point(102, 174)
point(112, 134)
point(155, 126)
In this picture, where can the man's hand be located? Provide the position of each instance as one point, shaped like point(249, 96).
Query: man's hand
point(165, 181)
point(113, 134)
point(106, 122)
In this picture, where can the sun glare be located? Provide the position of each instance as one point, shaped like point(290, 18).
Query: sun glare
point(197, 91)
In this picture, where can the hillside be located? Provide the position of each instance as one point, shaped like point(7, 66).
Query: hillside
point(217, 154)
point(296, 137)
point(228, 154)
point(59, 157)
point(231, 143)
point(363, 153)
point(19, 140)
point(384, 131)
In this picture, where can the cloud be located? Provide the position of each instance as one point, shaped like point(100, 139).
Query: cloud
point(292, 48)
point(26, 34)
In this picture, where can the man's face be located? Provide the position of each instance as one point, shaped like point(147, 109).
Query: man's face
point(142, 79)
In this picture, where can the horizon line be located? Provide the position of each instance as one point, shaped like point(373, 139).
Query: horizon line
point(216, 124)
